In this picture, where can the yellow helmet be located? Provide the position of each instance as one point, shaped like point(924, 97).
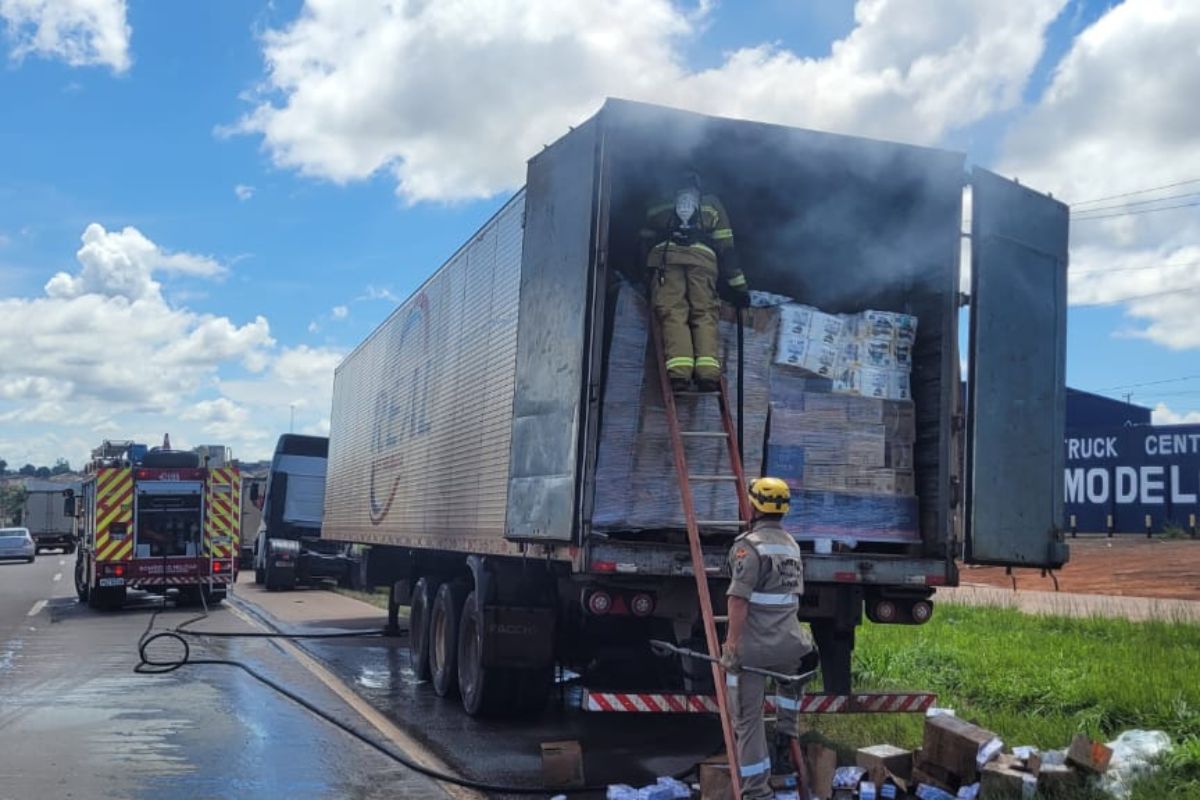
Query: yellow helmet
point(770, 495)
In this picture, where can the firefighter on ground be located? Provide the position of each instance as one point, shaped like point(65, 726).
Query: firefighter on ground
point(689, 249)
point(765, 632)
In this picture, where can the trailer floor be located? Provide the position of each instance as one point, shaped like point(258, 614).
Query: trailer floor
point(1125, 565)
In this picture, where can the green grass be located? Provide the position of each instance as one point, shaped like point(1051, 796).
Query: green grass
point(1038, 680)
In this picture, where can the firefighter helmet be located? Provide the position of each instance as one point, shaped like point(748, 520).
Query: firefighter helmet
point(769, 496)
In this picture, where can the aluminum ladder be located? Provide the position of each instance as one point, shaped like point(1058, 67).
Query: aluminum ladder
point(736, 477)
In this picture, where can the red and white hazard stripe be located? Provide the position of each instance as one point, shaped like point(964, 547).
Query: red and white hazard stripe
point(667, 703)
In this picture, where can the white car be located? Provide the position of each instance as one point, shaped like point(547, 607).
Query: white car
point(17, 543)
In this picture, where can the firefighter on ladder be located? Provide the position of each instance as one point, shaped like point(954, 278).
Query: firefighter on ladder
point(689, 248)
point(765, 632)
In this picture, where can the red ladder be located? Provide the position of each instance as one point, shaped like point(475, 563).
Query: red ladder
point(685, 478)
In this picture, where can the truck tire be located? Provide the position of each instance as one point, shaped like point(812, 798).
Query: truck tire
point(443, 637)
point(109, 598)
point(274, 581)
point(81, 584)
point(260, 575)
point(69, 549)
point(484, 690)
point(213, 596)
point(418, 626)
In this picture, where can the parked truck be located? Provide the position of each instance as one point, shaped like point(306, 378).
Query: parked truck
point(43, 514)
point(465, 428)
point(155, 520)
point(289, 548)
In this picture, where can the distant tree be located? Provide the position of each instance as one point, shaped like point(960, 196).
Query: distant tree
point(29, 470)
point(61, 467)
point(42, 472)
point(3, 466)
point(12, 504)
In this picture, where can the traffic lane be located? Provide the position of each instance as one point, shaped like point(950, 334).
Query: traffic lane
point(22, 586)
point(80, 723)
point(617, 748)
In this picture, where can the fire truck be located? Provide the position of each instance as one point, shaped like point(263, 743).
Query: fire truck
point(156, 519)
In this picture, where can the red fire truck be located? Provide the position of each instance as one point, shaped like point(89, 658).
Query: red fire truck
point(156, 519)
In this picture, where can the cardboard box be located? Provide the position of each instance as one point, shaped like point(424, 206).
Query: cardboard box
point(1000, 782)
point(1058, 781)
point(933, 775)
point(1089, 755)
point(822, 764)
point(882, 760)
point(715, 783)
point(562, 764)
point(898, 456)
point(958, 746)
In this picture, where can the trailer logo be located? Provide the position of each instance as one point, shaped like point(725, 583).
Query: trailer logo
point(401, 406)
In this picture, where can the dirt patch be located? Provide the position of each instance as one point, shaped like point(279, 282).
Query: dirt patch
point(1124, 566)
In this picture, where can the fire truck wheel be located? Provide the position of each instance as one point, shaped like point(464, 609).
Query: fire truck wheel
point(485, 691)
point(443, 637)
point(418, 626)
point(213, 597)
point(260, 575)
point(109, 598)
point(81, 584)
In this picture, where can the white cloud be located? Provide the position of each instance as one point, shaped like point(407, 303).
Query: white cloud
point(452, 98)
point(243, 192)
point(1162, 415)
point(1114, 120)
point(378, 293)
point(79, 32)
point(340, 312)
point(313, 327)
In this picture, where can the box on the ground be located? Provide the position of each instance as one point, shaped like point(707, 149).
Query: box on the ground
point(934, 775)
point(714, 779)
point(958, 746)
point(1058, 781)
point(882, 760)
point(822, 764)
point(1089, 755)
point(562, 764)
point(1001, 782)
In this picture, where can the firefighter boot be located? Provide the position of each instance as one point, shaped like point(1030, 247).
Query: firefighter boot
point(781, 755)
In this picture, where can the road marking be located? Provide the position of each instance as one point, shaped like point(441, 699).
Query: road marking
point(407, 744)
point(37, 607)
point(58, 576)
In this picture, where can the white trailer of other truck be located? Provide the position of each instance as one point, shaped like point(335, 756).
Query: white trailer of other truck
point(45, 517)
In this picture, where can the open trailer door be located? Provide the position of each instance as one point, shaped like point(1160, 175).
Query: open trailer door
point(1016, 392)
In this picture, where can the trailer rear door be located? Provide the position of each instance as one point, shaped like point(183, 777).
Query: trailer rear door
point(1016, 393)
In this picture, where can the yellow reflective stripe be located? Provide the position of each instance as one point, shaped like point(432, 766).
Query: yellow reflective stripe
point(722, 233)
point(680, 361)
point(737, 280)
point(652, 210)
point(707, 361)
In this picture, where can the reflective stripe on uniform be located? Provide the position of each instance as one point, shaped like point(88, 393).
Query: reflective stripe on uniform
point(650, 212)
point(722, 233)
point(707, 361)
point(789, 703)
point(775, 549)
point(731, 679)
point(680, 361)
point(737, 280)
point(750, 770)
point(770, 599)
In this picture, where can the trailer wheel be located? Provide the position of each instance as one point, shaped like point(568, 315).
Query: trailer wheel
point(484, 689)
point(81, 584)
point(69, 549)
point(443, 637)
point(418, 626)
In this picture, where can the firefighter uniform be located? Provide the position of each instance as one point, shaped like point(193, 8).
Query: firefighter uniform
point(686, 258)
point(766, 572)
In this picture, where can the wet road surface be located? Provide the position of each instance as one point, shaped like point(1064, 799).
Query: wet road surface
point(617, 748)
point(79, 723)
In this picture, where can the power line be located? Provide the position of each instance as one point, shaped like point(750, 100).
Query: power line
point(1134, 213)
point(1120, 300)
point(1140, 202)
point(1137, 192)
point(1148, 383)
point(1133, 269)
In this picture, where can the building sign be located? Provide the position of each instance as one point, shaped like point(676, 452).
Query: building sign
point(1122, 477)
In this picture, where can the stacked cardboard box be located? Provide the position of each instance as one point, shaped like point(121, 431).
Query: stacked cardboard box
point(848, 459)
point(636, 486)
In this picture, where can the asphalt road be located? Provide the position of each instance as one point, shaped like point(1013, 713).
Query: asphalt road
point(77, 721)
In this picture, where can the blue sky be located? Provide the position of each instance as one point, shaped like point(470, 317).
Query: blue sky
point(320, 240)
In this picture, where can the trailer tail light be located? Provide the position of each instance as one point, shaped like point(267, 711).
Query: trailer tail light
point(598, 602)
point(642, 604)
point(885, 611)
point(922, 610)
point(604, 566)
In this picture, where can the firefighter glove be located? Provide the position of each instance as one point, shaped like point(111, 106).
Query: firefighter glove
point(730, 660)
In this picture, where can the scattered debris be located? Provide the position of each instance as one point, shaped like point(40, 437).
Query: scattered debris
point(562, 764)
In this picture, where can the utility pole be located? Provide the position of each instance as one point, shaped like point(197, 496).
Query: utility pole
point(292, 424)
point(1128, 398)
